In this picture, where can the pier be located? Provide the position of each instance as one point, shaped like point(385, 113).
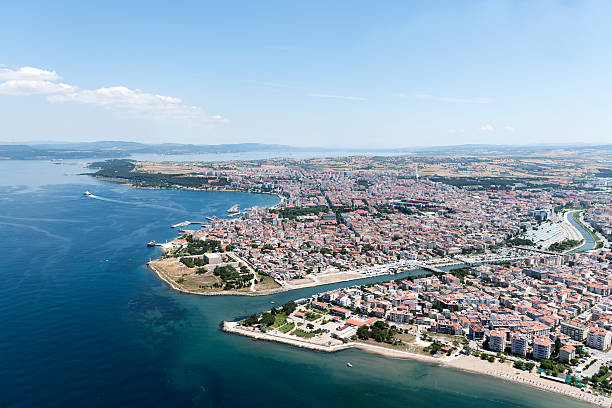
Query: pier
point(186, 223)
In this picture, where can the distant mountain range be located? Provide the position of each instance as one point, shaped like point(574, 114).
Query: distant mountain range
point(118, 149)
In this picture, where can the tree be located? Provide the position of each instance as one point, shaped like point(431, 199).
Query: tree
point(289, 307)
point(252, 320)
point(363, 333)
point(557, 347)
point(267, 319)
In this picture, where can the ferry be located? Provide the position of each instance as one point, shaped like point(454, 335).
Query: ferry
point(88, 194)
point(151, 244)
point(233, 209)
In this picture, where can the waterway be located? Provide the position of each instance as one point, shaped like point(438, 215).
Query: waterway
point(589, 242)
point(85, 323)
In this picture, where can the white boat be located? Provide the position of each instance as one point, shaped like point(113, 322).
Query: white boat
point(88, 194)
point(234, 209)
point(349, 365)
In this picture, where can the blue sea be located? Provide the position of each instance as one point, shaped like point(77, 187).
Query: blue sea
point(84, 323)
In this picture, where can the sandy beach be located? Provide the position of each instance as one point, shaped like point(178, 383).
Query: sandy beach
point(502, 371)
point(506, 372)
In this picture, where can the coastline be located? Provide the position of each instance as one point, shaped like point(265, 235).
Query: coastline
point(504, 371)
point(500, 371)
point(235, 328)
point(322, 279)
point(129, 183)
point(176, 287)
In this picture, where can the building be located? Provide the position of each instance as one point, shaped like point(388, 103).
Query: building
point(520, 343)
point(567, 353)
point(339, 311)
point(576, 330)
point(213, 259)
point(542, 348)
point(541, 214)
point(476, 332)
point(345, 332)
point(497, 340)
point(598, 338)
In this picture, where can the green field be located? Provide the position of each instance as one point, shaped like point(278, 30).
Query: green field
point(279, 320)
point(287, 328)
point(302, 333)
point(311, 317)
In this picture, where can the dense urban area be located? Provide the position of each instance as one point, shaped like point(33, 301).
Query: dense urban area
point(525, 250)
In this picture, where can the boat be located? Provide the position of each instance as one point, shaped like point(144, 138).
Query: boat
point(88, 194)
point(151, 243)
point(349, 365)
point(272, 302)
point(233, 209)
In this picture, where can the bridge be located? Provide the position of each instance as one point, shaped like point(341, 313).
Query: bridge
point(541, 251)
point(431, 268)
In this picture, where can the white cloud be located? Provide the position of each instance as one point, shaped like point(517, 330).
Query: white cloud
point(487, 128)
point(122, 98)
point(449, 99)
point(352, 98)
point(24, 87)
point(28, 73)
point(509, 128)
point(34, 81)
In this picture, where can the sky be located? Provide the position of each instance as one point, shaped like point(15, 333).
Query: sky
point(313, 73)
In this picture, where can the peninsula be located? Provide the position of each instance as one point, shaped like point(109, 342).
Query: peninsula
point(351, 217)
point(529, 285)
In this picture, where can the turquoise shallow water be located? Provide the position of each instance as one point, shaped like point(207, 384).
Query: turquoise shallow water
point(85, 323)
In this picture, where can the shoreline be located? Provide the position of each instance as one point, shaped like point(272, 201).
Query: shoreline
point(460, 362)
point(176, 287)
point(235, 328)
point(328, 279)
point(129, 183)
point(505, 372)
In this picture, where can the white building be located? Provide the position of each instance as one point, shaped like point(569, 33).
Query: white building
point(520, 343)
point(542, 348)
point(598, 338)
point(497, 340)
point(567, 353)
point(576, 330)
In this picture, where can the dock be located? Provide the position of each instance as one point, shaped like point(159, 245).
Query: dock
point(186, 223)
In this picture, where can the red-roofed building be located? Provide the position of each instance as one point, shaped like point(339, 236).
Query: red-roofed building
point(497, 340)
point(319, 305)
point(567, 353)
point(542, 348)
point(340, 311)
point(598, 338)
